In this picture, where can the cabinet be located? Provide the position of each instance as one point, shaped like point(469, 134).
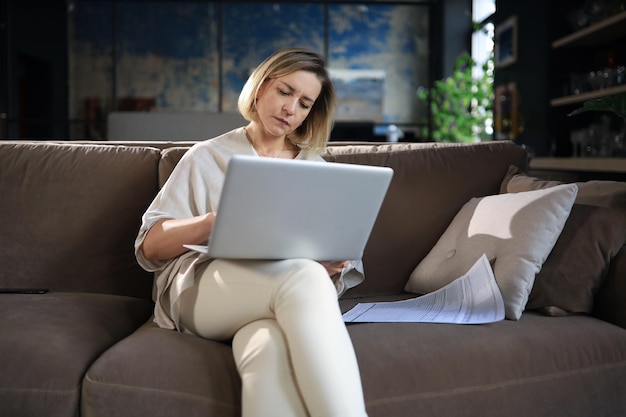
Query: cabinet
point(596, 35)
point(588, 64)
point(573, 55)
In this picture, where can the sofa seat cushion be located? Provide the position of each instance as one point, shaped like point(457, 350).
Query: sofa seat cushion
point(48, 341)
point(172, 374)
point(537, 366)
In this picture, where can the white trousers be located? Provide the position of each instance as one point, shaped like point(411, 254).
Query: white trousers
point(290, 344)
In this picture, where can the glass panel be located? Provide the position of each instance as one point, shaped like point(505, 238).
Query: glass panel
point(482, 52)
point(90, 68)
point(254, 31)
point(379, 56)
point(482, 46)
point(166, 56)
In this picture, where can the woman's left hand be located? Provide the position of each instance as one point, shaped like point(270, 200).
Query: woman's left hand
point(335, 267)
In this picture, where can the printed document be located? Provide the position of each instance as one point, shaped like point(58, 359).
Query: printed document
point(473, 298)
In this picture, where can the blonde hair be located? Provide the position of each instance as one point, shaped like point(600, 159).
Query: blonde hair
point(314, 132)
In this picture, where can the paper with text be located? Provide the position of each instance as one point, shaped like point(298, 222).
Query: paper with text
point(473, 298)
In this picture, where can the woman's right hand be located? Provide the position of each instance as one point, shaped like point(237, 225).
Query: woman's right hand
point(166, 238)
point(334, 268)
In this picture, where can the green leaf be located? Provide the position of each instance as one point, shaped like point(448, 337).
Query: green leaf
point(461, 104)
point(615, 104)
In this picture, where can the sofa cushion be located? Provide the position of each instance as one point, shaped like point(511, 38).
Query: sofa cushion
point(594, 232)
point(169, 160)
point(172, 374)
point(71, 211)
point(608, 303)
point(515, 231)
point(48, 341)
point(538, 366)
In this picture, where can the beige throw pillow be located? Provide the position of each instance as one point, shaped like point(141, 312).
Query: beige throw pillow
point(516, 231)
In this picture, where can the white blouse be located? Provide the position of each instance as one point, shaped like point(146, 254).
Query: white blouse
point(193, 189)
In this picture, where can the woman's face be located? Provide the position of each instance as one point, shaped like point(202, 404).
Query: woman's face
point(283, 103)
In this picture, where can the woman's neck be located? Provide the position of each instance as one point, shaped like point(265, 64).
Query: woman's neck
point(270, 146)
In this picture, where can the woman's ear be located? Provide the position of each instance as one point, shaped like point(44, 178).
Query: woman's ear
point(261, 89)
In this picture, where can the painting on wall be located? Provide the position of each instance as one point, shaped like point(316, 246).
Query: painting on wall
point(190, 56)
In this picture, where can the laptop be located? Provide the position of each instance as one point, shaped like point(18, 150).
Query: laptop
point(273, 208)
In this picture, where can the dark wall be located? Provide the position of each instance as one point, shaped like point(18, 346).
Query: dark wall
point(450, 34)
point(34, 73)
point(530, 72)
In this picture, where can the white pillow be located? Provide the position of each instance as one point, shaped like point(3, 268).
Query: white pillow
point(516, 230)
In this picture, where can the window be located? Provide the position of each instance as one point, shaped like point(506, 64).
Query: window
point(483, 44)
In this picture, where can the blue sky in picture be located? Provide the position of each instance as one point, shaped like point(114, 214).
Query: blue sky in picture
point(357, 32)
point(251, 32)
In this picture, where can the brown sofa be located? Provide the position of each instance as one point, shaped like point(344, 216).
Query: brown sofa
point(87, 346)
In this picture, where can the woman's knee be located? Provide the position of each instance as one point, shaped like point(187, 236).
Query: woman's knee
point(259, 343)
point(311, 277)
point(306, 287)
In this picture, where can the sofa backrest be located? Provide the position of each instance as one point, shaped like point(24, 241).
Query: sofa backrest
point(431, 183)
point(70, 214)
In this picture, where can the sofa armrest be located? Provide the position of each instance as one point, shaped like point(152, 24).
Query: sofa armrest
point(610, 301)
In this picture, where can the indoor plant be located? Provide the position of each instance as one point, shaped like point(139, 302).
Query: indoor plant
point(461, 104)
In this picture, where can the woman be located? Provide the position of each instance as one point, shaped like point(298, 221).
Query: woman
point(289, 341)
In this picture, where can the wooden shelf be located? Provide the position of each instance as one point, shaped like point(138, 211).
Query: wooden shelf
point(607, 30)
point(610, 165)
point(589, 95)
